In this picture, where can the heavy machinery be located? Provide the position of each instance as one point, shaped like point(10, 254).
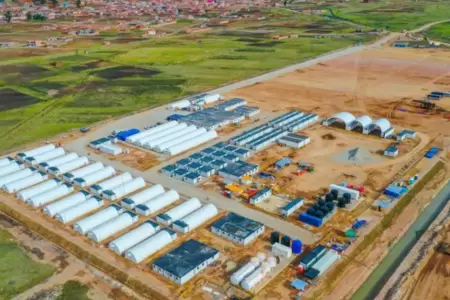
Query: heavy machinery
point(424, 104)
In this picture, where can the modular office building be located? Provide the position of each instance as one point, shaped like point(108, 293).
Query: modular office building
point(184, 262)
point(238, 229)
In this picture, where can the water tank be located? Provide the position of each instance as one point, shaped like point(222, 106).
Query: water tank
point(334, 193)
point(297, 246)
point(286, 240)
point(274, 237)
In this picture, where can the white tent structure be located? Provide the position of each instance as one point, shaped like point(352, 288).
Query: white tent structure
point(111, 183)
point(176, 141)
point(68, 166)
point(179, 212)
point(149, 246)
point(191, 143)
point(124, 189)
point(70, 201)
point(113, 226)
point(38, 189)
point(143, 196)
point(69, 177)
point(50, 195)
point(6, 161)
point(24, 183)
point(10, 168)
point(161, 133)
point(86, 224)
point(135, 236)
point(72, 213)
point(16, 176)
point(157, 203)
point(21, 156)
point(141, 135)
point(195, 219)
point(94, 177)
point(42, 157)
point(57, 161)
point(174, 135)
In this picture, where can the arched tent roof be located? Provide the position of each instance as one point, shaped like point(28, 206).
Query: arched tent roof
point(364, 121)
point(382, 124)
point(345, 117)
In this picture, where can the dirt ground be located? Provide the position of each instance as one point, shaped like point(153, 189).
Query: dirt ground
point(370, 82)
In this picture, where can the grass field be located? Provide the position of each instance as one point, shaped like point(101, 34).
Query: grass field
point(74, 290)
point(120, 78)
point(18, 272)
point(440, 32)
point(394, 15)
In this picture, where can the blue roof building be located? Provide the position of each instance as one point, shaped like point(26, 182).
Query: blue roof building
point(238, 229)
point(291, 207)
point(235, 171)
point(284, 162)
point(169, 169)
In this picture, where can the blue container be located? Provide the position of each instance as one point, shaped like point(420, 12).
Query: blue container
point(297, 246)
point(123, 135)
point(310, 220)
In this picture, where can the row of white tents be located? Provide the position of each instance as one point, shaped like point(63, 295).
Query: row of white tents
point(172, 137)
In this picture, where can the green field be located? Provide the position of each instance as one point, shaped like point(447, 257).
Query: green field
point(120, 78)
point(74, 290)
point(440, 32)
point(18, 272)
point(394, 15)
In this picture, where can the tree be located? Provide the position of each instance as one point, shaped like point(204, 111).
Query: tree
point(55, 2)
point(29, 16)
point(8, 16)
point(43, 2)
point(78, 3)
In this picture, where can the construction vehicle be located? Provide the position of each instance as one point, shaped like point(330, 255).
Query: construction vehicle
point(424, 104)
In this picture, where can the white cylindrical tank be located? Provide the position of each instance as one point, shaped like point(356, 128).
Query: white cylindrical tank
point(180, 104)
point(49, 155)
point(111, 227)
point(69, 166)
point(251, 280)
point(145, 133)
point(51, 195)
point(161, 133)
point(124, 189)
point(149, 246)
point(176, 141)
point(86, 224)
point(111, 183)
point(6, 161)
point(94, 177)
point(79, 210)
point(191, 143)
point(35, 151)
point(157, 203)
point(24, 183)
point(70, 201)
point(142, 197)
point(153, 143)
point(211, 98)
point(179, 212)
point(200, 216)
point(12, 167)
point(83, 171)
point(38, 189)
point(243, 272)
point(57, 161)
point(16, 176)
point(134, 237)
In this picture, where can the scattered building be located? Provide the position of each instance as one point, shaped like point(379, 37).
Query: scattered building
point(238, 229)
point(260, 196)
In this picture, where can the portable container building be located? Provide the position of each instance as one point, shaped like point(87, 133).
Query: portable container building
point(195, 219)
point(42, 157)
point(174, 135)
point(165, 132)
point(94, 177)
point(191, 143)
point(143, 196)
point(244, 271)
point(324, 263)
point(312, 257)
point(168, 170)
point(72, 213)
point(260, 196)
point(179, 212)
point(5, 179)
point(21, 156)
point(134, 237)
point(12, 167)
point(113, 226)
point(281, 250)
point(192, 178)
point(51, 195)
point(24, 183)
point(68, 166)
point(157, 203)
point(254, 278)
point(6, 161)
point(38, 189)
point(70, 201)
point(97, 189)
point(176, 141)
point(150, 245)
point(292, 206)
point(180, 104)
point(88, 223)
point(391, 152)
point(110, 149)
point(124, 189)
point(136, 137)
point(44, 166)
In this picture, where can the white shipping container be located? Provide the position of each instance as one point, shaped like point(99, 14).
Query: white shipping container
point(87, 169)
point(143, 134)
point(135, 236)
point(142, 196)
point(149, 246)
point(111, 227)
point(86, 224)
point(176, 141)
point(110, 149)
point(38, 189)
point(51, 195)
point(42, 157)
point(281, 250)
point(161, 133)
point(95, 177)
point(35, 151)
point(111, 183)
point(70, 201)
point(24, 183)
point(16, 176)
point(57, 161)
point(191, 143)
point(72, 213)
point(156, 142)
point(157, 203)
point(12, 167)
point(124, 189)
point(68, 166)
